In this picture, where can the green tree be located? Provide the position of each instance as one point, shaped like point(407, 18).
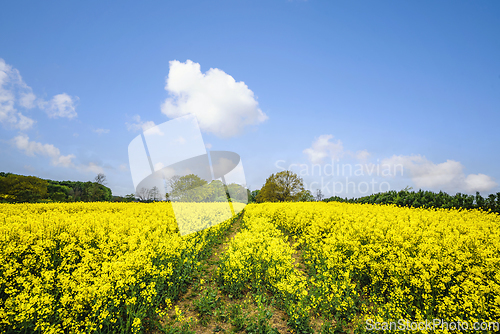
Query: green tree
point(215, 191)
point(281, 187)
point(94, 192)
point(187, 188)
point(237, 193)
point(19, 188)
point(129, 198)
point(252, 195)
point(58, 192)
point(58, 196)
point(305, 196)
point(103, 193)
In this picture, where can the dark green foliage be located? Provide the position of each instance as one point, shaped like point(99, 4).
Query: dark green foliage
point(206, 304)
point(192, 188)
point(94, 192)
point(427, 199)
point(259, 324)
point(284, 186)
point(21, 189)
point(252, 195)
point(126, 198)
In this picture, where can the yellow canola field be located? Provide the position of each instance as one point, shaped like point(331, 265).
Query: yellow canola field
point(384, 263)
point(260, 259)
point(96, 267)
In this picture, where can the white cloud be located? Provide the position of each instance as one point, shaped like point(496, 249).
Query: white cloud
point(158, 166)
point(15, 93)
point(208, 145)
point(24, 123)
point(33, 148)
point(222, 105)
point(447, 176)
point(362, 155)
point(92, 167)
point(479, 182)
point(124, 167)
point(14, 90)
point(324, 148)
point(101, 131)
point(27, 99)
point(61, 105)
point(139, 125)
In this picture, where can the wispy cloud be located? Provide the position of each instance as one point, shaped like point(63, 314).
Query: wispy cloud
point(15, 94)
point(14, 91)
point(323, 148)
point(91, 167)
point(61, 105)
point(448, 175)
point(138, 125)
point(101, 131)
point(33, 148)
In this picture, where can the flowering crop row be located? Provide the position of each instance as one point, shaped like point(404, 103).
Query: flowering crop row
point(111, 267)
point(259, 259)
point(95, 267)
point(388, 263)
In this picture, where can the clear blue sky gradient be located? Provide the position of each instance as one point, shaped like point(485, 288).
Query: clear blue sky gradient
point(390, 77)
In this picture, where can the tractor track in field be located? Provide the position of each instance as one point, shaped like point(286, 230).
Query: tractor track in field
point(204, 282)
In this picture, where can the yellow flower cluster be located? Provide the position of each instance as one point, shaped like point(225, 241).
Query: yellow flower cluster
point(192, 217)
point(85, 267)
point(260, 258)
point(388, 263)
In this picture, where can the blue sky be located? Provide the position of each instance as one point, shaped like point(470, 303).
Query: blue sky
point(364, 84)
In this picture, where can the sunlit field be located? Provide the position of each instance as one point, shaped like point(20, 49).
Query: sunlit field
point(93, 267)
point(374, 263)
point(273, 268)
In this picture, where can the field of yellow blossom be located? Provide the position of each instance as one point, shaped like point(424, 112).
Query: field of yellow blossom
point(95, 267)
point(297, 267)
point(363, 261)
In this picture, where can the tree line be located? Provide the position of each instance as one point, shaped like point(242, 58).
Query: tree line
point(287, 186)
point(284, 186)
point(428, 199)
point(16, 188)
point(192, 188)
